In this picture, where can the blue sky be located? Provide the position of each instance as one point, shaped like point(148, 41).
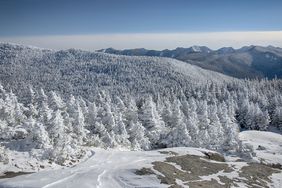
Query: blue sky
point(24, 19)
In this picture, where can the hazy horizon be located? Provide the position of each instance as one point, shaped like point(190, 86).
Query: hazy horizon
point(124, 24)
point(155, 41)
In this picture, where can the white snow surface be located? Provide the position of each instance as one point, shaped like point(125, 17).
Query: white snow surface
point(105, 169)
point(272, 154)
point(271, 142)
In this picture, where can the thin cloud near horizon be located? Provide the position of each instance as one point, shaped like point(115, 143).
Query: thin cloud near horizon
point(157, 41)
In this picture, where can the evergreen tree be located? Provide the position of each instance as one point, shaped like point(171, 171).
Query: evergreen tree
point(120, 131)
point(151, 121)
point(231, 129)
point(38, 134)
point(277, 118)
point(138, 138)
point(203, 123)
point(92, 117)
point(79, 124)
point(216, 132)
point(56, 102)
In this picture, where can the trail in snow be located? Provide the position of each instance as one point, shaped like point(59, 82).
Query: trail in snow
point(106, 169)
point(99, 179)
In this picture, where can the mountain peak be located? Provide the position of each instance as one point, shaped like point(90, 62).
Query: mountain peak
point(198, 48)
point(203, 49)
point(225, 50)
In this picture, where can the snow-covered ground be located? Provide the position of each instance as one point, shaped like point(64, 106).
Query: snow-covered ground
point(107, 168)
point(268, 150)
point(117, 168)
point(267, 146)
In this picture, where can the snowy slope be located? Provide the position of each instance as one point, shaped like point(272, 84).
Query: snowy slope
point(116, 168)
point(106, 169)
point(267, 149)
point(267, 146)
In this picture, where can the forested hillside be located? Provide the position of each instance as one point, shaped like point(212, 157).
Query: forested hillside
point(54, 103)
point(83, 73)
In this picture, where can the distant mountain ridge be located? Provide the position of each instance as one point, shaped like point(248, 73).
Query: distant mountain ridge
point(246, 62)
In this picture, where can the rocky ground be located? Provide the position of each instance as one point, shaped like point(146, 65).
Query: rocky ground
point(210, 170)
